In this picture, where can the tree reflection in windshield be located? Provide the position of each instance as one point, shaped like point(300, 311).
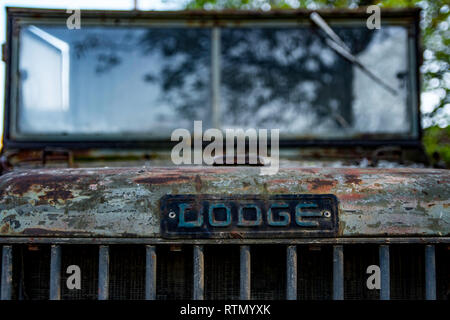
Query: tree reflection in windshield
point(152, 80)
point(284, 77)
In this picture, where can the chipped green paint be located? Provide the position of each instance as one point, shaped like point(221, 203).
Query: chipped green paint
point(124, 202)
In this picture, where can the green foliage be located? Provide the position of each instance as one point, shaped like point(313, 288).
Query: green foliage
point(437, 144)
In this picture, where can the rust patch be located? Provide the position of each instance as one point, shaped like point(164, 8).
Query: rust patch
point(56, 194)
point(236, 235)
point(319, 185)
point(352, 179)
point(198, 183)
point(5, 229)
point(351, 196)
point(280, 181)
point(164, 179)
point(23, 184)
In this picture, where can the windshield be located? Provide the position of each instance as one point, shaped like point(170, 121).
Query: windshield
point(148, 81)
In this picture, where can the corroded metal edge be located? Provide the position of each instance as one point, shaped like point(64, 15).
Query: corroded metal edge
point(156, 241)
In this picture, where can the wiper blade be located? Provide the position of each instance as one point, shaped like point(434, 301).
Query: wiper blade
point(338, 45)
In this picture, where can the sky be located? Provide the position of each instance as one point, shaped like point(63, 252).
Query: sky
point(428, 99)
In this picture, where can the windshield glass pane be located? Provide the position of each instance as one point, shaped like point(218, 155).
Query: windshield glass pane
point(101, 80)
point(147, 81)
point(290, 79)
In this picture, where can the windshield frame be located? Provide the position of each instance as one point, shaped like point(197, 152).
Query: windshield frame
point(18, 17)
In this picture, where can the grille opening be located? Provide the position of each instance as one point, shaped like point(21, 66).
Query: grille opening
point(442, 272)
point(268, 272)
point(222, 272)
point(407, 263)
point(127, 273)
point(315, 272)
point(33, 272)
point(356, 260)
point(174, 273)
point(86, 257)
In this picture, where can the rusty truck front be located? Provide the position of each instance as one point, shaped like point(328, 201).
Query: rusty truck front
point(104, 170)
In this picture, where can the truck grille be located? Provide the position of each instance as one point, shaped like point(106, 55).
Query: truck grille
point(168, 271)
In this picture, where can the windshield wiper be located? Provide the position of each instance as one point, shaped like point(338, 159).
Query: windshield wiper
point(336, 43)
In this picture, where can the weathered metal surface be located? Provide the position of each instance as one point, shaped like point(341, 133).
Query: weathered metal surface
point(291, 273)
point(245, 275)
point(124, 202)
point(385, 270)
point(338, 272)
point(199, 273)
point(55, 272)
point(150, 273)
point(430, 272)
point(248, 216)
point(7, 273)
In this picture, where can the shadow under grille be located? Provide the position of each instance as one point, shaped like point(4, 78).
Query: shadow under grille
point(222, 272)
point(86, 257)
point(407, 272)
point(174, 275)
point(315, 272)
point(357, 259)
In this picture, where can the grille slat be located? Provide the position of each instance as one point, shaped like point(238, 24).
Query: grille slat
point(385, 291)
point(55, 272)
point(245, 273)
point(6, 290)
point(338, 272)
point(430, 272)
point(150, 273)
point(103, 273)
point(291, 273)
point(199, 274)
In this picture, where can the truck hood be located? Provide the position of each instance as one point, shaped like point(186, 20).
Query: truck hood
point(125, 202)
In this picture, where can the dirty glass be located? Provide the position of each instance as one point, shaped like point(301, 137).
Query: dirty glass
point(288, 78)
point(148, 81)
point(108, 80)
